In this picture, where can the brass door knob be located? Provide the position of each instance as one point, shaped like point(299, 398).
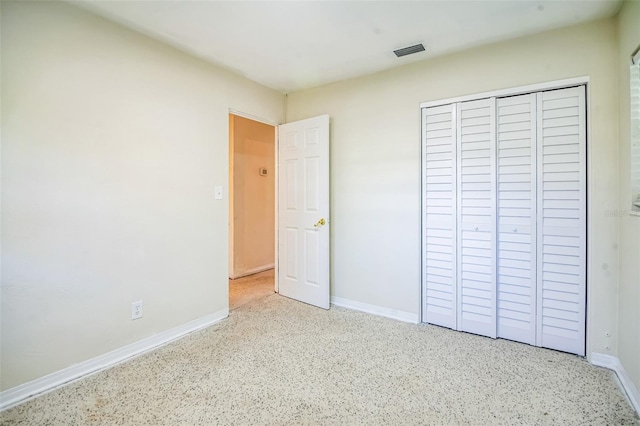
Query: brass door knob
point(319, 223)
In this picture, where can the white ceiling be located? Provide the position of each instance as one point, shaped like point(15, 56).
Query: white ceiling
point(294, 45)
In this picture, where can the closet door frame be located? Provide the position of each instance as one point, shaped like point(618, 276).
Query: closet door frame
point(552, 85)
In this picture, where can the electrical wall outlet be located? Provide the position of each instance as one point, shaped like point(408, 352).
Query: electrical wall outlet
point(136, 310)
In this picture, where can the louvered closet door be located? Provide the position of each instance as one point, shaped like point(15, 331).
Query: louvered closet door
point(516, 257)
point(476, 217)
point(439, 219)
point(562, 219)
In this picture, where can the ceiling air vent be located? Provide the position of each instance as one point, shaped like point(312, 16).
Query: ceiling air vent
point(409, 50)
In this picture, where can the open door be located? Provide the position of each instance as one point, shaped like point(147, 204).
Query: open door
point(303, 211)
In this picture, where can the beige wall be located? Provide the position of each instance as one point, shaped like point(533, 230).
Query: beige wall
point(629, 307)
point(111, 147)
point(375, 161)
point(252, 227)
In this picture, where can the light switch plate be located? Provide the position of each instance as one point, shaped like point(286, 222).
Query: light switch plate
point(218, 191)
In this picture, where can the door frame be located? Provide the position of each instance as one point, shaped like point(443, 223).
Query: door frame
point(275, 169)
point(551, 85)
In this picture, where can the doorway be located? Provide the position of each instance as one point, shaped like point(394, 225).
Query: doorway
point(251, 210)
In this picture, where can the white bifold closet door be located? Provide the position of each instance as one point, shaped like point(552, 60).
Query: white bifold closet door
point(561, 213)
point(504, 217)
point(439, 209)
point(476, 217)
point(516, 192)
point(541, 281)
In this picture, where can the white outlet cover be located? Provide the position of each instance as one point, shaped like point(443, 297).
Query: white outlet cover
point(218, 191)
point(136, 310)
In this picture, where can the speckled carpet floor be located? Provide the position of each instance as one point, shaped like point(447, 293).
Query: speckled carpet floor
point(276, 361)
point(247, 289)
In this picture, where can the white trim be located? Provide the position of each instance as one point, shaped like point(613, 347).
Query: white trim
point(423, 216)
point(559, 84)
point(252, 271)
point(276, 201)
point(635, 57)
point(375, 310)
point(22, 393)
point(231, 229)
point(613, 363)
point(589, 221)
point(252, 117)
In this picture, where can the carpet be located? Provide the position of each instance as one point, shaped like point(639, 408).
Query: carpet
point(276, 361)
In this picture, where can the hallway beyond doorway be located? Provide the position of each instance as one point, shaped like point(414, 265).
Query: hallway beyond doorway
point(250, 288)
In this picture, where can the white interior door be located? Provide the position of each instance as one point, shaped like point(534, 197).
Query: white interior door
point(303, 211)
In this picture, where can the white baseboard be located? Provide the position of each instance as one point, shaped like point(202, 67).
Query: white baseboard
point(613, 363)
point(375, 310)
point(22, 393)
point(252, 271)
